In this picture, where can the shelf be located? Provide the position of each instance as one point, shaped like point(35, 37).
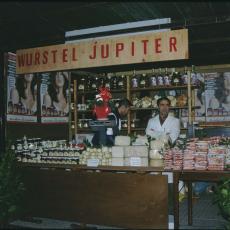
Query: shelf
point(154, 108)
point(142, 129)
point(96, 91)
point(163, 87)
point(84, 111)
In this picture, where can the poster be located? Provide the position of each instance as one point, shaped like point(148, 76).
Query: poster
point(21, 94)
point(217, 96)
point(54, 97)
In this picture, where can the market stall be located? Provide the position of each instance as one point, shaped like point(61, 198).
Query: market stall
point(125, 185)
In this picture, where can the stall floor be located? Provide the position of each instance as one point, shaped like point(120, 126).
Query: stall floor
point(205, 216)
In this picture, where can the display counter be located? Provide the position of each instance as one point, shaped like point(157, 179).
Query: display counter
point(127, 197)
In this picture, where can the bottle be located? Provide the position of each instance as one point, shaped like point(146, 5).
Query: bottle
point(167, 78)
point(114, 82)
point(143, 81)
point(94, 85)
point(160, 80)
point(81, 85)
point(108, 81)
point(121, 82)
point(101, 81)
point(88, 83)
point(176, 80)
point(185, 76)
point(134, 80)
point(193, 76)
point(153, 79)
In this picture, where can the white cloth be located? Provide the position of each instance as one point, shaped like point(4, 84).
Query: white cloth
point(170, 126)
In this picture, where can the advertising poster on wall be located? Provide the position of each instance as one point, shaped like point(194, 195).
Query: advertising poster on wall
point(54, 97)
point(217, 96)
point(21, 94)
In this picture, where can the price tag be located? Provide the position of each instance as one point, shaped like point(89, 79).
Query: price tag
point(93, 162)
point(135, 161)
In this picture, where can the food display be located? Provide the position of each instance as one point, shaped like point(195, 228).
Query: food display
point(206, 154)
point(36, 150)
point(104, 155)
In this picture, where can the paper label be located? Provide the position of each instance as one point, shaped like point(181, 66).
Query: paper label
point(93, 162)
point(135, 161)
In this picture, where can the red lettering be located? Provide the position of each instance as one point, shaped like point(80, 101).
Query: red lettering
point(21, 60)
point(45, 57)
point(93, 56)
point(103, 53)
point(74, 58)
point(132, 48)
point(119, 47)
point(64, 55)
point(29, 58)
point(158, 45)
point(54, 52)
point(172, 44)
point(145, 45)
point(37, 58)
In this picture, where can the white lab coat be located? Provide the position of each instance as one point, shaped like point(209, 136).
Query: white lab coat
point(171, 126)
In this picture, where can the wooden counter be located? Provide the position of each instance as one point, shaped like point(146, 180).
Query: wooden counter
point(134, 199)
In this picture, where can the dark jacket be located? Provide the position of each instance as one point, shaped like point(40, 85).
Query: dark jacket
point(109, 138)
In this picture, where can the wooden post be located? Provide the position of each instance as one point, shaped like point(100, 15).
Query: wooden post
point(75, 105)
point(189, 99)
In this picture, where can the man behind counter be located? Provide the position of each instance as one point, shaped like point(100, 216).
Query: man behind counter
point(120, 112)
point(163, 123)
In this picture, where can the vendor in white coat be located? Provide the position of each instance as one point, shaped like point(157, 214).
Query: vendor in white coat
point(163, 123)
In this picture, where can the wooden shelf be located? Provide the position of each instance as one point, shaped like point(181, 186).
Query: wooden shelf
point(173, 107)
point(96, 91)
point(141, 129)
point(163, 87)
point(84, 111)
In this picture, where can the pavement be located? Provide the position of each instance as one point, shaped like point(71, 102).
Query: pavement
point(205, 216)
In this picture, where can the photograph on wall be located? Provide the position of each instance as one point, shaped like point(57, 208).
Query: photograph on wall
point(54, 97)
point(21, 94)
point(217, 96)
point(199, 101)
